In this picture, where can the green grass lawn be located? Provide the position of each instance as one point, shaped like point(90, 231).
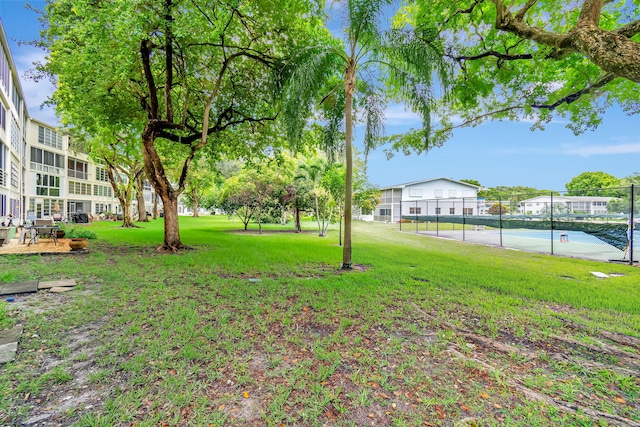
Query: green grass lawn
point(249, 329)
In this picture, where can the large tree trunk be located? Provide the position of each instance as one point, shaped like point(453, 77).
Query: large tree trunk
point(142, 209)
point(172, 240)
point(350, 83)
point(122, 192)
point(127, 212)
point(298, 226)
point(158, 179)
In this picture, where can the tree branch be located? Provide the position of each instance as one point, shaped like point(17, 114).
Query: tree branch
point(481, 118)
point(499, 55)
point(505, 21)
point(604, 80)
point(590, 13)
point(629, 30)
point(145, 52)
point(461, 11)
point(168, 20)
point(522, 12)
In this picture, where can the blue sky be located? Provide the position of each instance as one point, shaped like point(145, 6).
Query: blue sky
point(494, 153)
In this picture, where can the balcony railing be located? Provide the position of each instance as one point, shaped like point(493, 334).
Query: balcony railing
point(77, 174)
point(45, 168)
point(3, 178)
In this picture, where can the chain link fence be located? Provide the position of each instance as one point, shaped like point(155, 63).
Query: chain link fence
point(599, 224)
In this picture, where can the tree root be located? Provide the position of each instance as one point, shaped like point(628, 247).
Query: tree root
point(561, 405)
point(626, 357)
point(531, 355)
point(618, 338)
point(173, 249)
point(621, 339)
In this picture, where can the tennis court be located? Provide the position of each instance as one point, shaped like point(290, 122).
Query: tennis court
point(574, 243)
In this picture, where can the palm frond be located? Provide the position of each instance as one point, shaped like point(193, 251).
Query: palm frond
point(304, 77)
point(417, 73)
point(363, 20)
point(374, 107)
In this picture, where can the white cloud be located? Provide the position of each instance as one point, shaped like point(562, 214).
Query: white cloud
point(596, 150)
point(400, 115)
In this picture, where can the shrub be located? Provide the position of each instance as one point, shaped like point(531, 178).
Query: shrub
point(78, 232)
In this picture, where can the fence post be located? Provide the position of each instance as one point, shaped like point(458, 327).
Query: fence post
point(416, 217)
point(551, 223)
point(463, 219)
point(400, 212)
point(426, 212)
point(631, 221)
point(437, 216)
point(500, 213)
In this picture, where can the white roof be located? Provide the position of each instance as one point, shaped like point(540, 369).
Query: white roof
point(408, 184)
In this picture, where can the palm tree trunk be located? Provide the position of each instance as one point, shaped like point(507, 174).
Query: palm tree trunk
point(350, 83)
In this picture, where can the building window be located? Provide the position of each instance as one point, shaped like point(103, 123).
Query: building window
point(101, 174)
point(415, 211)
point(415, 192)
point(438, 211)
point(147, 186)
point(44, 208)
point(3, 117)
point(5, 72)
point(15, 136)
point(468, 211)
point(385, 212)
point(14, 175)
point(16, 98)
point(101, 190)
point(81, 188)
point(437, 193)
point(452, 211)
point(49, 137)
point(46, 161)
point(47, 185)
point(453, 193)
point(102, 208)
point(3, 159)
point(77, 169)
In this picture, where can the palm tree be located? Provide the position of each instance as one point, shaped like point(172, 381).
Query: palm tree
point(374, 64)
point(313, 171)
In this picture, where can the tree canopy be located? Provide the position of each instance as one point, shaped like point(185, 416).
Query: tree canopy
point(592, 183)
point(182, 73)
point(531, 59)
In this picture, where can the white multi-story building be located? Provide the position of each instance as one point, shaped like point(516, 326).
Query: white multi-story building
point(13, 119)
point(588, 205)
point(437, 196)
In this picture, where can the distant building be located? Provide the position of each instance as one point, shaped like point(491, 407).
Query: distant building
point(586, 205)
point(437, 196)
